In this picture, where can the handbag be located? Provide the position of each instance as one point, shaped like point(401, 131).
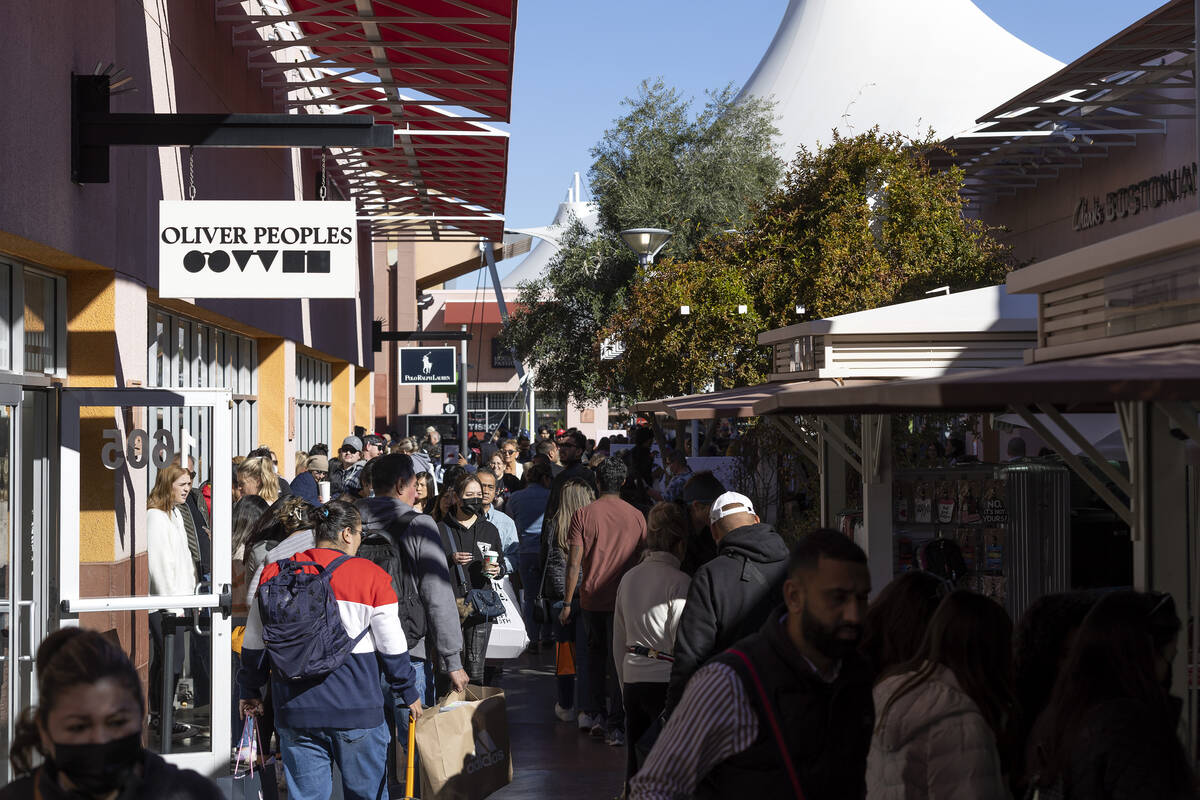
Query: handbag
point(464, 745)
point(484, 603)
point(543, 609)
point(508, 638)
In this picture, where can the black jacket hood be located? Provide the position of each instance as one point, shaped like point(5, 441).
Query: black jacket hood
point(758, 542)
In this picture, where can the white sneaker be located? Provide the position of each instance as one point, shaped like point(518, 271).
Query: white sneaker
point(586, 721)
point(565, 714)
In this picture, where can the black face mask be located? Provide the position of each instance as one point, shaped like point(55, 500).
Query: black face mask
point(473, 506)
point(99, 768)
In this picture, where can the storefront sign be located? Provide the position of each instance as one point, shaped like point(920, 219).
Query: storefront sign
point(427, 365)
point(257, 249)
point(1135, 198)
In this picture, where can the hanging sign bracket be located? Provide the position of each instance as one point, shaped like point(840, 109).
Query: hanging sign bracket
point(94, 129)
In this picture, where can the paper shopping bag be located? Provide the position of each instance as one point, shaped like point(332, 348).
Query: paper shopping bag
point(463, 745)
point(508, 638)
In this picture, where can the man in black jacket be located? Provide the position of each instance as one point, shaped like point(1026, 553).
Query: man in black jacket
point(570, 450)
point(732, 594)
point(787, 712)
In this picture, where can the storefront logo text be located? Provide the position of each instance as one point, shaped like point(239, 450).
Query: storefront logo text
point(1135, 198)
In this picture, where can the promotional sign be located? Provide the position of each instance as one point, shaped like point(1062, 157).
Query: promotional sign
point(428, 365)
point(257, 249)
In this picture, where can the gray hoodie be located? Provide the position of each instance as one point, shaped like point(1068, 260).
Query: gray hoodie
point(423, 547)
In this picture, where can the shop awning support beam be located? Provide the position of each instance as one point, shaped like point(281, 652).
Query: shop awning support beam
point(838, 440)
point(1076, 464)
point(94, 129)
point(793, 434)
point(379, 336)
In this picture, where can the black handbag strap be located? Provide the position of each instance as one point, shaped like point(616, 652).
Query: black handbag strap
point(463, 583)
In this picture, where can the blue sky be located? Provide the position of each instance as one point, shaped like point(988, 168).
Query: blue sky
point(575, 61)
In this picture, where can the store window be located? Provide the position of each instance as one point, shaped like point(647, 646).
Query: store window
point(313, 396)
point(487, 411)
point(33, 320)
point(184, 353)
point(551, 410)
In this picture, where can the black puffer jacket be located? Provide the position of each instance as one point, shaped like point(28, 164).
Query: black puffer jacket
point(730, 597)
point(1121, 753)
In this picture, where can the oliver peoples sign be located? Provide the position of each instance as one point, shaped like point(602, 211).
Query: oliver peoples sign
point(257, 249)
point(1135, 198)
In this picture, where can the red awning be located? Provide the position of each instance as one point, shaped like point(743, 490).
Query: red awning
point(438, 70)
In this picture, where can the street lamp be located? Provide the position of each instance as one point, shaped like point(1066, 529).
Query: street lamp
point(646, 242)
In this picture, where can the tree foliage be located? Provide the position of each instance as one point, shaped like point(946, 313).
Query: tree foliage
point(862, 223)
point(660, 165)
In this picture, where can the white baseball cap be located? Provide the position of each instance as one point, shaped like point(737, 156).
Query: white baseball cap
point(730, 503)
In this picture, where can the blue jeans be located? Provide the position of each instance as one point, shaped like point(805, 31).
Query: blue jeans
point(360, 754)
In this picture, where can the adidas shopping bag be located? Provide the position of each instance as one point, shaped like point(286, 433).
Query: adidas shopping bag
point(463, 745)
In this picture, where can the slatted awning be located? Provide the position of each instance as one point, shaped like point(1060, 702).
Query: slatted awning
point(438, 70)
point(1127, 87)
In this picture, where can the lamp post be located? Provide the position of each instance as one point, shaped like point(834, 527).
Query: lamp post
point(646, 242)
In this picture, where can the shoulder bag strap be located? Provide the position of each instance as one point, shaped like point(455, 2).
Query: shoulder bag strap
point(463, 583)
point(774, 723)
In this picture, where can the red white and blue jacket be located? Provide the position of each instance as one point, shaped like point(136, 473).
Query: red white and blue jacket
point(349, 697)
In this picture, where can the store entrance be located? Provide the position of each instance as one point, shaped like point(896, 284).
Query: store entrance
point(144, 552)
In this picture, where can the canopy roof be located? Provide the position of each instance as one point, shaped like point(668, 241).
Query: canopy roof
point(1170, 374)
point(1126, 87)
point(436, 69)
point(738, 402)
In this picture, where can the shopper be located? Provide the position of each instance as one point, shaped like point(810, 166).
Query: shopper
point(570, 451)
point(1109, 730)
point(87, 728)
point(426, 494)
point(1041, 642)
point(898, 618)
point(373, 446)
point(306, 485)
point(528, 509)
point(282, 533)
point(941, 716)
point(650, 601)
point(257, 476)
point(337, 718)
point(463, 530)
point(732, 595)
point(697, 498)
point(571, 667)
point(810, 738)
point(489, 481)
point(513, 468)
point(172, 573)
point(607, 537)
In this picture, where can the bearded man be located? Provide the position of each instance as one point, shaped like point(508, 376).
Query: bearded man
point(786, 712)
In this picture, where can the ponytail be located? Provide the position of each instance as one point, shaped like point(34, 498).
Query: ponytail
point(331, 519)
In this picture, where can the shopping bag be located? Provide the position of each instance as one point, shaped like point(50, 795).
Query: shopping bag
point(248, 751)
point(463, 744)
point(509, 638)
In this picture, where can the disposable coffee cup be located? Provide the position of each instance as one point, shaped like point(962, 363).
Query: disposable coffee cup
point(323, 490)
point(491, 558)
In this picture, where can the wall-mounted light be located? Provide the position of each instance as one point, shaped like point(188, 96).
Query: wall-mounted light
point(685, 310)
point(743, 309)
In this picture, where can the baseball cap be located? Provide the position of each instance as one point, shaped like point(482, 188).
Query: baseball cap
point(318, 463)
point(352, 442)
point(730, 503)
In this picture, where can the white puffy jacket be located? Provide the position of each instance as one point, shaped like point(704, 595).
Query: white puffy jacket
point(934, 744)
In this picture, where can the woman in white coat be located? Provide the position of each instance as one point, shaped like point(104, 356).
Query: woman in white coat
point(172, 569)
point(941, 719)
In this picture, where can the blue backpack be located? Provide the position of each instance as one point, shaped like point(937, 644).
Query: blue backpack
point(302, 627)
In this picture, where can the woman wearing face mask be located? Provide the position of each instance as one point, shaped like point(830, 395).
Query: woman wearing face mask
point(88, 728)
point(464, 531)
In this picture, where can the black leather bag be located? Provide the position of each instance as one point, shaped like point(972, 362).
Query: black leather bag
point(479, 603)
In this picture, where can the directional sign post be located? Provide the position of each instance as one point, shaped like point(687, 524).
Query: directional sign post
point(427, 365)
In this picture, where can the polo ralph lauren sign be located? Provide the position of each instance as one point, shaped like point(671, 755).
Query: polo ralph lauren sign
point(257, 249)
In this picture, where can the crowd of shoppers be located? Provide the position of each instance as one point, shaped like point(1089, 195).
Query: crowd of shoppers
point(686, 630)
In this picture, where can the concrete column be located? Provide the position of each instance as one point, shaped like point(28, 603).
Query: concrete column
point(276, 399)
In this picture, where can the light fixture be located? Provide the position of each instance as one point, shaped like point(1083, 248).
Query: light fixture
point(685, 310)
point(742, 309)
point(646, 242)
point(799, 310)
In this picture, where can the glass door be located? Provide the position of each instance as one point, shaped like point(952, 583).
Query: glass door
point(145, 552)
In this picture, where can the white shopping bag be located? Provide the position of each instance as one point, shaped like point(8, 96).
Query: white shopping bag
point(508, 639)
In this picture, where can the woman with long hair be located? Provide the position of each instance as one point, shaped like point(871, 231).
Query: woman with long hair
point(898, 617)
point(1109, 730)
point(426, 499)
point(87, 727)
point(942, 717)
point(172, 568)
point(257, 476)
point(465, 531)
point(571, 658)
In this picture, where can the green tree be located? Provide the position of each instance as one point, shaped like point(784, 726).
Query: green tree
point(862, 223)
point(659, 165)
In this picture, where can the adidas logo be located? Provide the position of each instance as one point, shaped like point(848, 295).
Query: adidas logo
point(486, 754)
